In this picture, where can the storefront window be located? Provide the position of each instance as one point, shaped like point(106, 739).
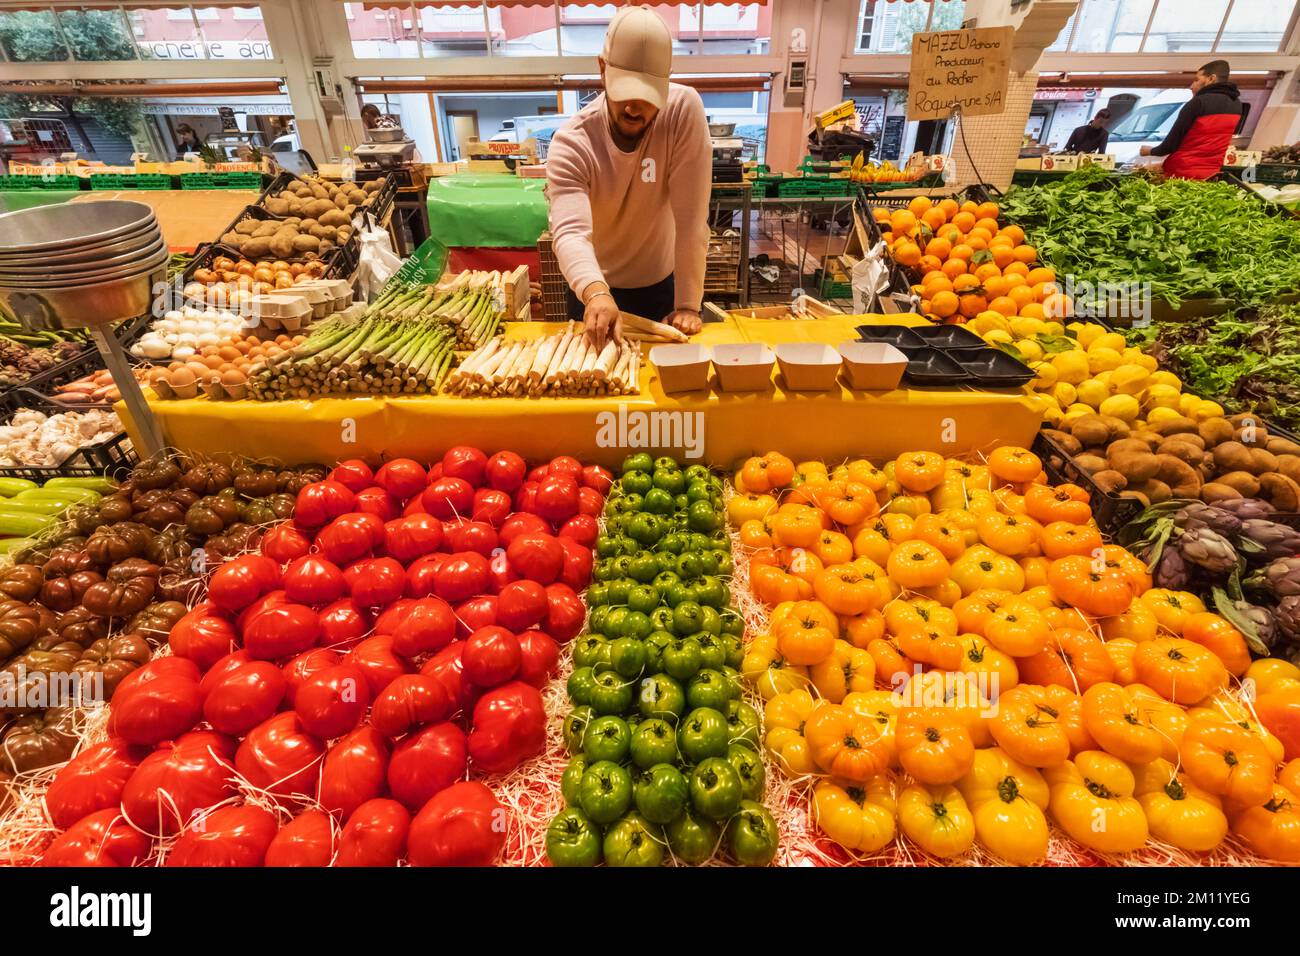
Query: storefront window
point(1255, 25)
point(31, 36)
point(523, 31)
point(582, 26)
point(1185, 26)
point(382, 30)
point(1111, 26)
point(887, 27)
point(234, 33)
point(454, 31)
point(748, 111)
point(97, 34)
point(736, 28)
point(167, 33)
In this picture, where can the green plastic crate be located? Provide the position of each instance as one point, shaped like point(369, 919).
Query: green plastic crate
point(152, 181)
point(221, 180)
point(112, 181)
point(42, 182)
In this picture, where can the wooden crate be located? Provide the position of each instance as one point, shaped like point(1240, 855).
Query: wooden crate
point(814, 307)
point(722, 265)
point(555, 306)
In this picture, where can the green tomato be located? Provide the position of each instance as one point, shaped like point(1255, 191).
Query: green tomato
point(690, 565)
point(654, 742)
point(575, 725)
point(643, 598)
point(611, 693)
point(665, 579)
point(597, 618)
point(712, 652)
point(735, 650)
point(637, 461)
point(590, 650)
point(702, 517)
point(637, 483)
point(682, 658)
point(662, 618)
point(751, 835)
point(605, 792)
point(633, 841)
point(702, 735)
point(709, 688)
point(715, 788)
point(660, 793)
point(732, 622)
point(711, 591)
point(688, 618)
point(674, 542)
point(631, 504)
point(681, 502)
point(618, 590)
point(700, 542)
point(612, 624)
point(693, 837)
point(597, 596)
point(606, 546)
point(580, 684)
point(742, 720)
point(571, 840)
point(646, 529)
point(654, 650)
point(627, 655)
point(675, 594)
point(749, 767)
point(658, 502)
point(661, 696)
point(712, 620)
point(699, 473)
point(698, 490)
point(618, 567)
point(572, 777)
point(637, 625)
point(716, 562)
point(670, 479)
point(607, 738)
point(642, 567)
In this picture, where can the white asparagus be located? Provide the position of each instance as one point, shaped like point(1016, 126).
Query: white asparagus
point(557, 357)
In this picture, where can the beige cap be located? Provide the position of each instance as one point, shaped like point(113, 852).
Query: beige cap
point(638, 57)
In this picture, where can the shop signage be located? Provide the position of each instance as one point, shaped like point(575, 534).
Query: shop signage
point(215, 49)
point(959, 70)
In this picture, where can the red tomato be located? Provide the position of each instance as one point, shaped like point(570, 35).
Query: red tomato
point(500, 573)
point(505, 471)
point(590, 502)
point(576, 572)
point(521, 604)
point(509, 727)
point(526, 498)
point(342, 624)
point(565, 613)
point(203, 636)
point(583, 529)
point(539, 657)
point(491, 656)
point(350, 536)
point(412, 537)
point(304, 667)
point(425, 762)
point(538, 472)
point(282, 632)
point(284, 542)
point(313, 580)
point(332, 701)
point(538, 557)
point(421, 576)
point(92, 780)
point(157, 702)
point(244, 696)
point(463, 575)
point(410, 701)
point(355, 770)
point(392, 618)
point(375, 582)
point(448, 498)
point(414, 507)
point(597, 479)
point(191, 773)
point(565, 465)
point(222, 669)
point(238, 583)
point(475, 613)
point(281, 757)
point(448, 668)
point(434, 473)
point(354, 473)
point(377, 501)
point(229, 836)
point(102, 838)
point(375, 834)
point(557, 498)
point(466, 463)
point(521, 523)
point(321, 502)
point(461, 826)
point(377, 661)
point(430, 626)
point(491, 506)
point(264, 603)
point(306, 840)
point(477, 536)
point(401, 478)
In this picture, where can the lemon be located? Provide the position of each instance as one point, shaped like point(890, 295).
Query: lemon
point(1129, 379)
point(1041, 403)
point(998, 337)
point(1147, 362)
point(1093, 392)
point(1124, 407)
point(1162, 414)
point(1108, 340)
point(1088, 332)
point(1078, 411)
point(1103, 360)
point(1026, 328)
point(1064, 393)
point(1054, 416)
point(1054, 328)
point(1188, 402)
point(1044, 376)
point(1206, 410)
point(1162, 396)
point(1165, 378)
point(1030, 350)
point(1071, 367)
point(1104, 378)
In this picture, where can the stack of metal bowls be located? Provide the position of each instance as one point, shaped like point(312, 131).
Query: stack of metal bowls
point(80, 264)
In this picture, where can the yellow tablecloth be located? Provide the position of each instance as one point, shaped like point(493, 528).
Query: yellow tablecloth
point(831, 425)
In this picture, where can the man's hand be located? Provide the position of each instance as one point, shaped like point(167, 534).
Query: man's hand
point(602, 319)
point(686, 321)
point(1145, 151)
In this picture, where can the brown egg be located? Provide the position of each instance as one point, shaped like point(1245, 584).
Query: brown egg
point(233, 376)
point(197, 369)
point(213, 361)
point(173, 366)
point(208, 350)
point(228, 352)
point(181, 377)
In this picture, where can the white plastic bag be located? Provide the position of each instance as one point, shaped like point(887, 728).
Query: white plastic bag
point(868, 279)
point(378, 261)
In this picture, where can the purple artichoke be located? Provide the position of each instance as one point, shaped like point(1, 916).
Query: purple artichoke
point(1287, 616)
point(1282, 577)
point(1200, 515)
point(1208, 549)
point(1247, 508)
point(1275, 540)
point(1264, 620)
point(1172, 571)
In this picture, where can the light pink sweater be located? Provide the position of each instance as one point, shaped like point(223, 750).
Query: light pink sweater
point(632, 218)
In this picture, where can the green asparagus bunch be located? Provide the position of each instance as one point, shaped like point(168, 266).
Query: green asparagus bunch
point(471, 306)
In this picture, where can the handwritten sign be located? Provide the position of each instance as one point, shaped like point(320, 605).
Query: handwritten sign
point(962, 70)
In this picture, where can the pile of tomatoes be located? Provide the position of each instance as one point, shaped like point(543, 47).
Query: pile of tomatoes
point(955, 656)
point(329, 699)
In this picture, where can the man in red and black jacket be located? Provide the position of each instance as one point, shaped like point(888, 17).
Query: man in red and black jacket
point(1205, 126)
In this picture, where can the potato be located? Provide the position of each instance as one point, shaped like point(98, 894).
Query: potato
point(277, 207)
point(1174, 426)
point(1154, 491)
point(1242, 482)
point(341, 199)
point(1182, 449)
point(317, 208)
point(256, 248)
point(1135, 463)
point(282, 243)
point(1183, 480)
point(1281, 491)
point(357, 197)
point(267, 229)
point(296, 207)
point(1110, 481)
point(303, 243)
point(1091, 463)
point(232, 239)
point(247, 227)
point(335, 217)
point(1282, 446)
point(1215, 430)
point(1069, 444)
point(322, 232)
point(1090, 430)
point(373, 186)
point(1151, 439)
point(1254, 435)
point(320, 192)
point(1214, 491)
point(1234, 456)
point(1289, 465)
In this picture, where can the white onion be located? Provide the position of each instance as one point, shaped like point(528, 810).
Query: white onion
point(183, 352)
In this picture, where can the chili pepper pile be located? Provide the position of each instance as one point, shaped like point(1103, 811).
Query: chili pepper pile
point(665, 761)
point(957, 664)
point(326, 702)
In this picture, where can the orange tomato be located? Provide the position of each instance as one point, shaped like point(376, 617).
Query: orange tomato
point(919, 471)
point(1013, 464)
point(1048, 504)
point(1072, 658)
point(1018, 630)
point(1028, 727)
point(918, 564)
point(1062, 538)
point(1179, 670)
point(1220, 636)
point(845, 591)
point(934, 744)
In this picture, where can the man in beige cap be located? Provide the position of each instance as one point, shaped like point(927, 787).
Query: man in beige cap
point(628, 181)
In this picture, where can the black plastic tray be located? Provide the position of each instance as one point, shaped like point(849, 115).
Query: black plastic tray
point(950, 337)
point(384, 196)
point(113, 457)
point(1111, 512)
point(899, 336)
point(992, 368)
point(932, 367)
